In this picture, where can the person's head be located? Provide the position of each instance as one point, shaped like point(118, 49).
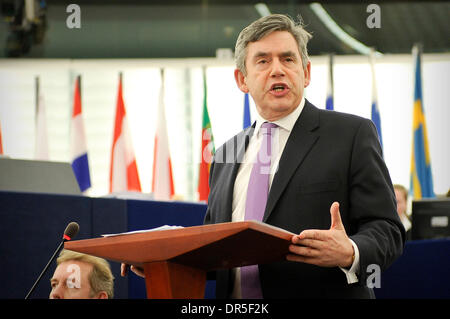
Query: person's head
point(272, 64)
point(401, 194)
point(81, 276)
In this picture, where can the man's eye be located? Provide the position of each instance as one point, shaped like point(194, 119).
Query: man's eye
point(262, 61)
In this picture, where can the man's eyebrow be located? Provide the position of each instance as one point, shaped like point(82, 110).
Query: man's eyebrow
point(287, 53)
point(261, 54)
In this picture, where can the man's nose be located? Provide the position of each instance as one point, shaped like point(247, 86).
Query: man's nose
point(277, 68)
point(57, 293)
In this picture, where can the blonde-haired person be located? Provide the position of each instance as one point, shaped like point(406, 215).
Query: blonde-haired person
point(81, 276)
point(401, 194)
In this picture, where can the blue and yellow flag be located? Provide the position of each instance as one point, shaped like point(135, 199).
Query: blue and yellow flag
point(421, 177)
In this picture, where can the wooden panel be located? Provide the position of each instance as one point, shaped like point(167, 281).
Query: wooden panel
point(166, 280)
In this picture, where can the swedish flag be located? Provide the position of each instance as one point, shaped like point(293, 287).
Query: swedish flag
point(421, 177)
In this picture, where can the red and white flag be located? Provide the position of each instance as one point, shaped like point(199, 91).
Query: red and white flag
point(162, 183)
point(123, 171)
point(1, 141)
point(41, 145)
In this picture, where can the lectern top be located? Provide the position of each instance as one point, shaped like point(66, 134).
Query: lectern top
point(208, 247)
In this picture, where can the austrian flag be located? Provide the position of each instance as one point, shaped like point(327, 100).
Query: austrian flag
point(123, 171)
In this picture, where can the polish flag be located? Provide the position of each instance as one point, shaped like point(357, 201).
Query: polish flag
point(123, 171)
point(78, 147)
point(162, 183)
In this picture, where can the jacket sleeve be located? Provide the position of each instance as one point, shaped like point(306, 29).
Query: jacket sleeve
point(376, 227)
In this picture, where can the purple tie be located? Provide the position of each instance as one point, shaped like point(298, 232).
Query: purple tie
point(257, 191)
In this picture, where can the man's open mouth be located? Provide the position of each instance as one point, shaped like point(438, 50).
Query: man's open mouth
point(278, 88)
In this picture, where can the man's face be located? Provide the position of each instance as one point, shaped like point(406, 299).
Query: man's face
point(275, 75)
point(71, 281)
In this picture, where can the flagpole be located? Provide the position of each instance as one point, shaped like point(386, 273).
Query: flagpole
point(36, 100)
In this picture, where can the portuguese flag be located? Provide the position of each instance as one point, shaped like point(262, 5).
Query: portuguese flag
point(207, 149)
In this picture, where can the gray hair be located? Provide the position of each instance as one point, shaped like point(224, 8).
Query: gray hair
point(265, 26)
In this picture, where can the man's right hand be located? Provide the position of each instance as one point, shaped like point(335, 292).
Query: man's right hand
point(137, 270)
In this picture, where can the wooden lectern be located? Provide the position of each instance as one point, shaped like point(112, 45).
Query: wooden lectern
point(175, 261)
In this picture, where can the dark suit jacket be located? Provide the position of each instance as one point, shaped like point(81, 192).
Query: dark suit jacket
point(329, 156)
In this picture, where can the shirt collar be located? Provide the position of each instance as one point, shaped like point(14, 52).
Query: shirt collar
point(286, 122)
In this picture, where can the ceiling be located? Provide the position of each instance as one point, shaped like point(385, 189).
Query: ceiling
point(174, 29)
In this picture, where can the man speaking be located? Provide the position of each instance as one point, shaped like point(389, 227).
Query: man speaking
point(319, 174)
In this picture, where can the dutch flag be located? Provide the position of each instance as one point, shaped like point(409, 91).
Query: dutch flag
point(80, 163)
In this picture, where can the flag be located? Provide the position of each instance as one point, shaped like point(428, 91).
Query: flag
point(421, 177)
point(162, 183)
point(330, 87)
point(247, 120)
point(41, 144)
point(1, 141)
point(376, 119)
point(123, 174)
point(78, 147)
point(207, 150)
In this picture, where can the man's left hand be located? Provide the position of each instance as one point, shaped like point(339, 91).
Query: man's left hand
point(326, 248)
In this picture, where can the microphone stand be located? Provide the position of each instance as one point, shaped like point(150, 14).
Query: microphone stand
point(46, 267)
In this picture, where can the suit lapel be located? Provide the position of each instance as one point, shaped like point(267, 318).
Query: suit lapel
point(298, 145)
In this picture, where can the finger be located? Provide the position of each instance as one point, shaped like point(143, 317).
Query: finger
point(336, 221)
point(138, 271)
point(304, 251)
point(316, 234)
point(312, 243)
point(123, 269)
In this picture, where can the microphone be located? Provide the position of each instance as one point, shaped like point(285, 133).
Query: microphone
point(69, 233)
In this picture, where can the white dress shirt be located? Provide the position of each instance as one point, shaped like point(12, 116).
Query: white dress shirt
point(280, 138)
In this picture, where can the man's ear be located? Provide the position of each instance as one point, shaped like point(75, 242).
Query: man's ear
point(102, 295)
point(307, 72)
point(240, 81)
